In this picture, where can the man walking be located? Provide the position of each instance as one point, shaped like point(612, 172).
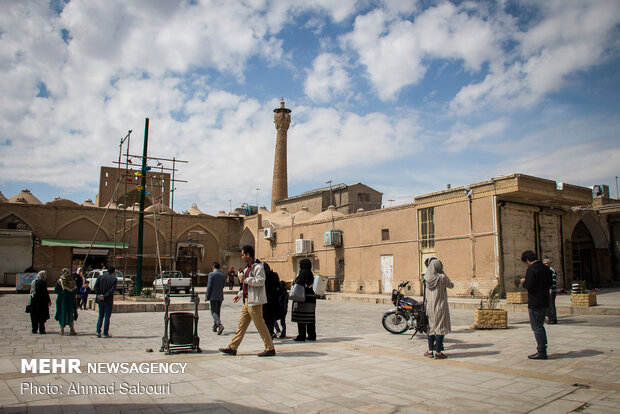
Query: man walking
point(537, 281)
point(552, 315)
point(254, 296)
point(215, 296)
point(104, 291)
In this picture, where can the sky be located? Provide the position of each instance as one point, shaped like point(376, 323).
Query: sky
point(403, 96)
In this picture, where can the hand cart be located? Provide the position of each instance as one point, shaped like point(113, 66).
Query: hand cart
point(180, 328)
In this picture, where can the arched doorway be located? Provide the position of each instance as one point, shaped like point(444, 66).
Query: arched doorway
point(247, 238)
point(583, 255)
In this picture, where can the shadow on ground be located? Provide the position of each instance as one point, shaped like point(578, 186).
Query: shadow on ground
point(216, 406)
point(454, 355)
point(575, 354)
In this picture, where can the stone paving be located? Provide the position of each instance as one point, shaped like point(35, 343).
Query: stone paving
point(355, 366)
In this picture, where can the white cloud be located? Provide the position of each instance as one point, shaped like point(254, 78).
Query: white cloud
point(325, 140)
point(463, 135)
point(584, 164)
point(394, 50)
point(184, 67)
point(569, 37)
point(327, 79)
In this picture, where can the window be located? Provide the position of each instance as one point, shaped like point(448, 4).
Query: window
point(385, 234)
point(426, 229)
point(301, 235)
point(363, 197)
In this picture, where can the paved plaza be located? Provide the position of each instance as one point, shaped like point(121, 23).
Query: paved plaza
point(355, 366)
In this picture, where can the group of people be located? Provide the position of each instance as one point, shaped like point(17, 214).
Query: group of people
point(264, 302)
point(539, 281)
point(72, 293)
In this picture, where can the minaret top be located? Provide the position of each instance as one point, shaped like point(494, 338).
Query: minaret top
point(282, 108)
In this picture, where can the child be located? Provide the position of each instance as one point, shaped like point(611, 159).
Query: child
point(84, 291)
point(283, 301)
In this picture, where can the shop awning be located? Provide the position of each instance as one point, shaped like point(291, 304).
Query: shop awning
point(84, 244)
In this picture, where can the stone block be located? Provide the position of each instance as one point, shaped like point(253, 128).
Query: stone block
point(583, 299)
point(516, 297)
point(490, 319)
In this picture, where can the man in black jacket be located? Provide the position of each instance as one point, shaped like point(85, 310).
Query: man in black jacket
point(537, 281)
point(104, 291)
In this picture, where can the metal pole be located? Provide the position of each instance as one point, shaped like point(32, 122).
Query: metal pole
point(141, 212)
point(173, 253)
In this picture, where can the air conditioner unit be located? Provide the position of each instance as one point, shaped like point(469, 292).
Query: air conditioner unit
point(303, 246)
point(268, 233)
point(332, 238)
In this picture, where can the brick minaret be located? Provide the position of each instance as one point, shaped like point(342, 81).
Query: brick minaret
point(279, 189)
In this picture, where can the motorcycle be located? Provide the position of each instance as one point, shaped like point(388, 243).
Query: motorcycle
point(407, 314)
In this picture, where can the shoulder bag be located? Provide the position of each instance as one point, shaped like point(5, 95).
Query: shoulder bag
point(298, 293)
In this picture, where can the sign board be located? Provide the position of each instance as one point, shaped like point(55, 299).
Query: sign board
point(23, 281)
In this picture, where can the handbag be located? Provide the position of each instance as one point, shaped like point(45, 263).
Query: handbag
point(298, 293)
point(28, 308)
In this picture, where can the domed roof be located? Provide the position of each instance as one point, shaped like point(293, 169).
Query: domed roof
point(159, 209)
point(3, 199)
point(62, 202)
point(303, 215)
point(328, 214)
point(25, 197)
point(194, 210)
point(263, 211)
point(281, 217)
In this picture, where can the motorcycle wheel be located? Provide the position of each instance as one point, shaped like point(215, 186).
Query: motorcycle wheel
point(394, 322)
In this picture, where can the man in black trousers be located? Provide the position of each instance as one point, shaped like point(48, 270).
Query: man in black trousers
point(537, 281)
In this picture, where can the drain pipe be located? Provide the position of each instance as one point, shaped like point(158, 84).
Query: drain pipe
point(472, 241)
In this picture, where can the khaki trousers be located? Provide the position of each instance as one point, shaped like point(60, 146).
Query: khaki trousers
point(254, 314)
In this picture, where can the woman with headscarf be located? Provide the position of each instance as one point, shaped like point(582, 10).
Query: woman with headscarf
point(66, 290)
point(39, 303)
point(304, 312)
point(437, 308)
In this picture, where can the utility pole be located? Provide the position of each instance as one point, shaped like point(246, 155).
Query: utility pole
point(141, 213)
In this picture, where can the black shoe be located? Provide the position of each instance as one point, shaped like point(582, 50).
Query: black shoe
point(312, 339)
point(42, 333)
point(299, 339)
point(553, 322)
point(228, 350)
point(267, 353)
point(537, 355)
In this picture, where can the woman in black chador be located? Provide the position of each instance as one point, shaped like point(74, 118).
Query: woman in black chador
point(39, 303)
point(304, 312)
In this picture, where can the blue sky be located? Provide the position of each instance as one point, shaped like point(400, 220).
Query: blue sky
point(404, 96)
